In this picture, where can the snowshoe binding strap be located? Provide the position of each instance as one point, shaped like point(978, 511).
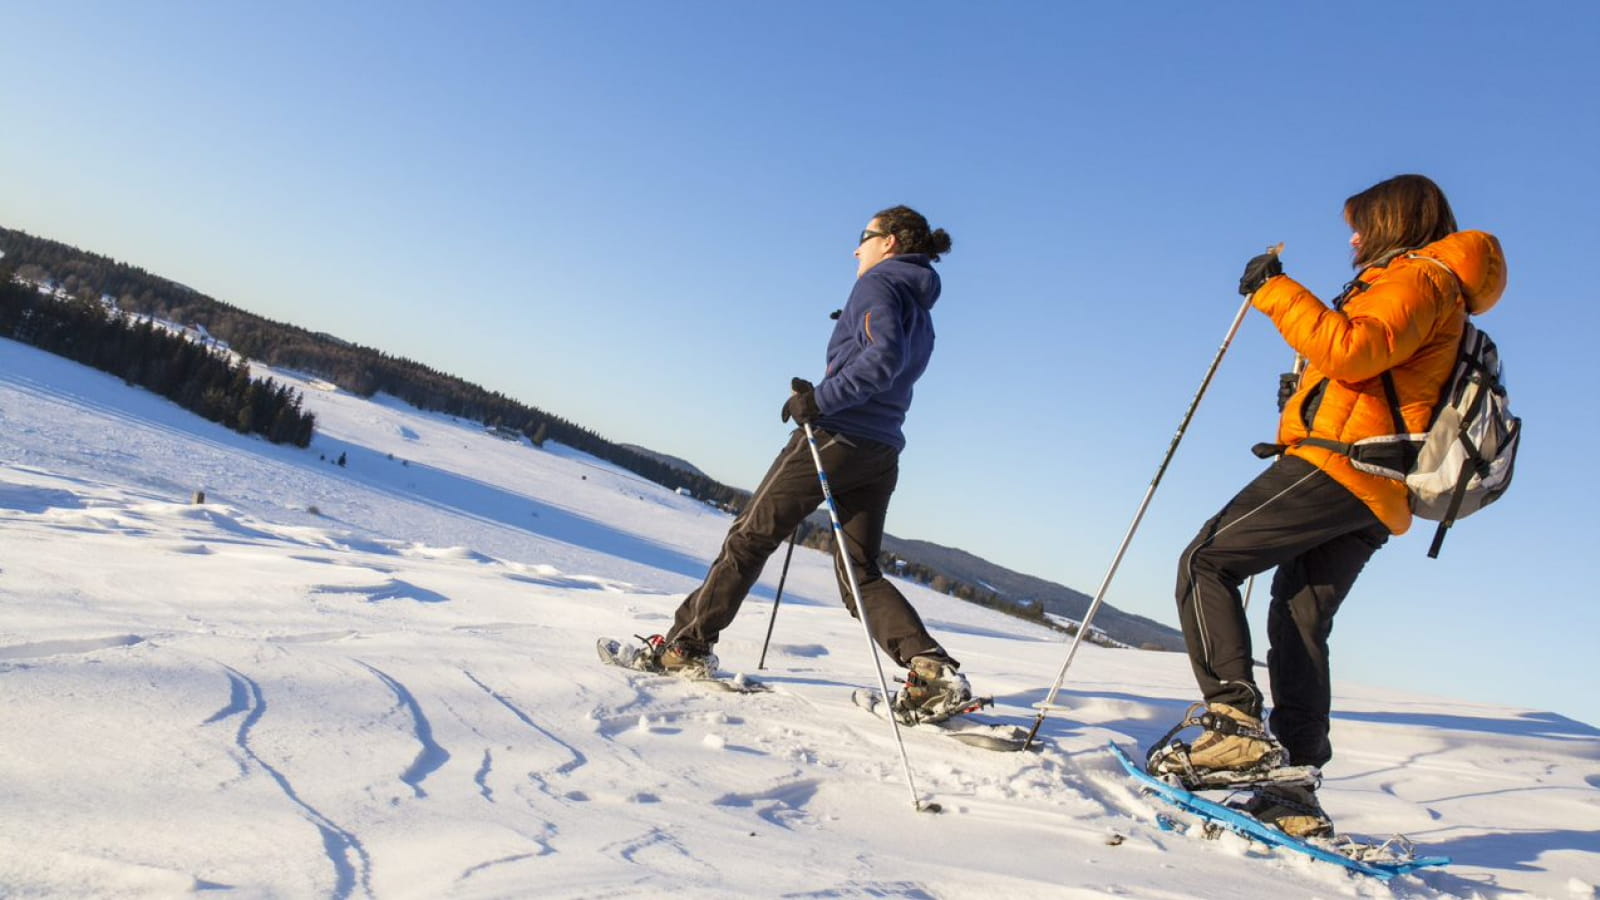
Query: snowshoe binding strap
point(938, 712)
point(1193, 717)
point(1169, 759)
point(924, 701)
point(947, 710)
point(648, 659)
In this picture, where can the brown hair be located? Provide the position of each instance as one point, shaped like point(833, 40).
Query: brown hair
point(911, 232)
point(1403, 213)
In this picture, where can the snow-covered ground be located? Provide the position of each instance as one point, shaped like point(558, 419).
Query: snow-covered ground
point(379, 680)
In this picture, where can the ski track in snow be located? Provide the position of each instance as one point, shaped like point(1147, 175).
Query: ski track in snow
point(437, 717)
point(430, 756)
point(566, 768)
point(337, 843)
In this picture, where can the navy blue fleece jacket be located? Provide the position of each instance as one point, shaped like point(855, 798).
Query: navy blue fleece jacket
point(879, 349)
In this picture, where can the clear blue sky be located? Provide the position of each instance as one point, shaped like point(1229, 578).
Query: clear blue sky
point(638, 215)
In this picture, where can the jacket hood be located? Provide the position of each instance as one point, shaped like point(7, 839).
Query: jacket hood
point(1478, 263)
point(918, 272)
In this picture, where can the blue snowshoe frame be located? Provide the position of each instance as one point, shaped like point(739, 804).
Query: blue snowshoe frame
point(1255, 830)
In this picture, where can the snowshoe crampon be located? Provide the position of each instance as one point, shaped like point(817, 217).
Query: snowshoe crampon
point(1394, 852)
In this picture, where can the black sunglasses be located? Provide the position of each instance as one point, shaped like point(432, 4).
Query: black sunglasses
point(868, 234)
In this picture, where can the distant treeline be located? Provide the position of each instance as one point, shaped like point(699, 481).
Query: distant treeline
point(366, 371)
point(194, 376)
point(360, 370)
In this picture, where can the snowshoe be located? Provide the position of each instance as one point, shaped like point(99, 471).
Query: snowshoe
point(648, 657)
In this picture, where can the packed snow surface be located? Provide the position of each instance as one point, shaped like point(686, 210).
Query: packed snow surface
point(379, 680)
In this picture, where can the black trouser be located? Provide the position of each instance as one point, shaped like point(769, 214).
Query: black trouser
point(862, 475)
point(1319, 536)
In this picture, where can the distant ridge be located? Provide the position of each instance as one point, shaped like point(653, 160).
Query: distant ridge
point(673, 461)
point(1016, 587)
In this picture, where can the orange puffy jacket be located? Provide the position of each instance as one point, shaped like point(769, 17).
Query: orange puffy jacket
point(1405, 318)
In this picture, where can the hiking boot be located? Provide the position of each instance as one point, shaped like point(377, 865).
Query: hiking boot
point(934, 691)
point(1291, 809)
point(684, 658)
point(1232, 744)
point(1232, 750)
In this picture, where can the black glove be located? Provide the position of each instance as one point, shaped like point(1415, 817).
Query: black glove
point(1257, 271)
point(1288, 383)
point(802, 404)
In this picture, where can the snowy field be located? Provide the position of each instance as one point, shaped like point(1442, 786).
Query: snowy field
point(379, 681)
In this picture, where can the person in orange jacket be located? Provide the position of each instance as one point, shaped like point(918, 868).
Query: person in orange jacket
point(1381, 351)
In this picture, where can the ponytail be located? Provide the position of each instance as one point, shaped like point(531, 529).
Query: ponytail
point(911, 232)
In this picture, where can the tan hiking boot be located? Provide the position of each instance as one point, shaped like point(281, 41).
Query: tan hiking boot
point(681, 658)
point(1215, 751)
point(933, 691)
point(1291, 809)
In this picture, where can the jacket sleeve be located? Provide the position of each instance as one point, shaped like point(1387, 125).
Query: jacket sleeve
point(880, 340)
point(1376, 330)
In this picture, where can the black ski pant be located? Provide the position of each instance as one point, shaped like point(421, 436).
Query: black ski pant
point(862, 475)
point(1319, 536)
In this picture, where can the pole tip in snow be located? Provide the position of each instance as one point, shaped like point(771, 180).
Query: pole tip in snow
point(929, 807)
point(1034, 731)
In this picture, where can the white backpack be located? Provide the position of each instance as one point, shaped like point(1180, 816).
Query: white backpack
point(1463, 462)
point(1466, 458)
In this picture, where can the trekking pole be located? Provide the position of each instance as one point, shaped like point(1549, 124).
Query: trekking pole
point(861, 613)
point(1100, 595)
point(773, 619)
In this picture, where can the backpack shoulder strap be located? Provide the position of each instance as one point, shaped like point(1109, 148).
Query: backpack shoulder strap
point(1393, 394)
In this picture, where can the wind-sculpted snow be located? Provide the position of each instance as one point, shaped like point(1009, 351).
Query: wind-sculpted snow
point(37, 500)
point(379, 681)
point(55, 648)
point(784, 806)
point(390, 589)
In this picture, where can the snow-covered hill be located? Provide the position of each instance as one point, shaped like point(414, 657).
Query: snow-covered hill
point(379, 680)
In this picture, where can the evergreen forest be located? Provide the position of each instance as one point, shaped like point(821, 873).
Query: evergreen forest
point(200, 378)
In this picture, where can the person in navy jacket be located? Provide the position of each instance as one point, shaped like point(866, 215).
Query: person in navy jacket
point(881, 344)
